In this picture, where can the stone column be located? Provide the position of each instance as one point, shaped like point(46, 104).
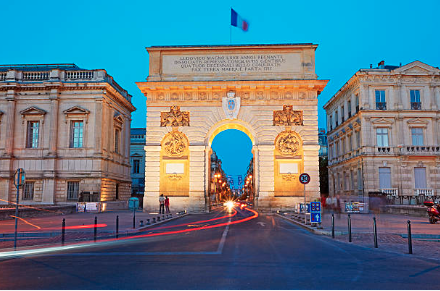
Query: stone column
point(391, 100)
point(363, 97)
point(152, 177)
point(54, 111)
point(98, 127)
point(371, 98)
point(197, 178)
point(10, 123)
point(404, 98)
point(207, 178)
point(437, 95)
point(256, 175)
point(345, 109)
point(339, 115)
point(48, 190)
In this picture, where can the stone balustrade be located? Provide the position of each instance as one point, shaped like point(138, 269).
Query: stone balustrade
point(424, 192)
point(424, 150)
point(57, 74)
point(390, 191)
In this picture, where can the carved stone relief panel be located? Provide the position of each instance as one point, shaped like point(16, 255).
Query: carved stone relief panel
point(175, 117)
point(288, 143)
point(287, 116)
point(175, 143)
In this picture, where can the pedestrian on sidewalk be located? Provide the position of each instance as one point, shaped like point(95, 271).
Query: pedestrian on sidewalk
point(167, 204)
point(161, 204)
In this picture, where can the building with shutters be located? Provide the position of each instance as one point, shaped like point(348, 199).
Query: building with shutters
point(383, 134)
point(69, 129)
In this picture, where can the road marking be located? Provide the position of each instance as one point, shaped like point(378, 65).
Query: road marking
point(261, 224)
point(222, 241)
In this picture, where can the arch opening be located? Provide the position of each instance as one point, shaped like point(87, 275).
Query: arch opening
point(231, 162)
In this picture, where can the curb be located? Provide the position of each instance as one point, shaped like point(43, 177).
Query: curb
point(311, 229)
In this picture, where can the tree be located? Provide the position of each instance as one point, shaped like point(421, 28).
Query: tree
point(323, 175)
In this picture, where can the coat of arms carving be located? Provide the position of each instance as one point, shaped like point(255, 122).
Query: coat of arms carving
point(175, 117)
point(231, 105)
point(287, 116)
point(175, 143)
point(288, 143)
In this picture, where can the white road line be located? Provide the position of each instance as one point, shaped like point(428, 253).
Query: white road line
point(222, 241)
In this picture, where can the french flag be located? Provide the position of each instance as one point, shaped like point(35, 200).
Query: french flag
point(237, 21)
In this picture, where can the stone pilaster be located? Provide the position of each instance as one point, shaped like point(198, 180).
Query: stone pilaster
point(53, 135)
point(10, 123)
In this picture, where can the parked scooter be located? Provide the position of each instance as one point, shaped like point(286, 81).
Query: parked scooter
point(433, 211)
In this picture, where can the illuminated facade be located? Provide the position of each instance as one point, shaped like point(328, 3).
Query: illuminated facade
point(383, 134)
point(269, 92)
point(69, 129)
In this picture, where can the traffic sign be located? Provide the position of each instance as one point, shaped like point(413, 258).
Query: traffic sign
point(304, 178)
point(315, 212)
point(315, 217)
point(19, 177)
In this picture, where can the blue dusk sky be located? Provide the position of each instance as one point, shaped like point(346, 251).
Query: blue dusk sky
point(112, 35)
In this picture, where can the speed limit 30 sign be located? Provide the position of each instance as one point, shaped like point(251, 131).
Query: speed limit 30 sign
point(304, 178)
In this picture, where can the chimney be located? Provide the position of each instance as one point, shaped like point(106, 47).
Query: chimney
point(381, 64)
point(371, 66)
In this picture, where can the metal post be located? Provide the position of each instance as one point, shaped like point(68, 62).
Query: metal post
point(134, 216)
point(16, 212)
point(409, 238)
point(349, 228)
point(63, 231)
point(117, 226)
point(375, 232)
point(333, 225)
point(305, 205)
point(96, 228)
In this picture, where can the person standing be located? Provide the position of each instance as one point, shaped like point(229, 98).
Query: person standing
point(167, 204)
point(161, 204)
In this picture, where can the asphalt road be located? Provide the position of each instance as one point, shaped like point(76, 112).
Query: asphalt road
point(264, 252)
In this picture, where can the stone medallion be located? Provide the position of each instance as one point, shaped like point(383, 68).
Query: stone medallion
point(175, 143)
point(288, 143)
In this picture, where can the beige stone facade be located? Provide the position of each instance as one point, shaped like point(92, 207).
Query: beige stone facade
point(383, 134)
point(69, 129)
point(267, 91)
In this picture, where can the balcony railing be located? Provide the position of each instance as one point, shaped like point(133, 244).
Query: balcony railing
point(416, 105)
point(381, 105)
point(390, 191)
point(384, 150)
point(79, 75)
point(417, 150)
point(35, 76)
point(424, 192)
point(2, 76)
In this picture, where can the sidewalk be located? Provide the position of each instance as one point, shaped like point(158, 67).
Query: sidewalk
point(79, 227)
point(391, 231)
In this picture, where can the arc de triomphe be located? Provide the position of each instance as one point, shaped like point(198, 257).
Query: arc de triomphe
point(269, 92)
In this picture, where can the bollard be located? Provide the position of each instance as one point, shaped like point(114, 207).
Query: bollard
point(375, 232)
point(158, 218)
point(409, 238)
point(163, 217)
point(171, 215)
point(148, 221)
point(349, 228)
point(96, 228)
point(63, 231)
point(154, 220)
point(333, 225)
point(141, 223)
point(117, 226)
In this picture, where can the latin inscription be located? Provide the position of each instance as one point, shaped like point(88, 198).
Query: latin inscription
point(236, 63)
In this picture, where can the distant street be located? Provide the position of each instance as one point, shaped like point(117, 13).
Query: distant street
point(264, 252)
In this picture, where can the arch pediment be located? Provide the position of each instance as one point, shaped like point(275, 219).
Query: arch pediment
point(76, 110)
point(417, 68)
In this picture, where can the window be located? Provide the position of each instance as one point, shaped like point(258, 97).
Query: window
point(349, 108)
point(358, 139)
point(76, 134)
point(357, 103)
point(384, 178)
point(336, 117)
point(417, 136)
point(117, 191)
point(420, 178)
point(342, 146)
point(136, 166)
point(380, 100)
point(359, 178)
point(337, 148)
point(331, 123)
point(382, 137)
point(351, 180)
point(415, 99)
point(117, 132)
point(28, 191)
point(33, 131)
point(72, 190)
point(342, 113)
point(350, 145)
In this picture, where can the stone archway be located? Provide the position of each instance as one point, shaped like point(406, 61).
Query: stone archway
point(268, 92)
